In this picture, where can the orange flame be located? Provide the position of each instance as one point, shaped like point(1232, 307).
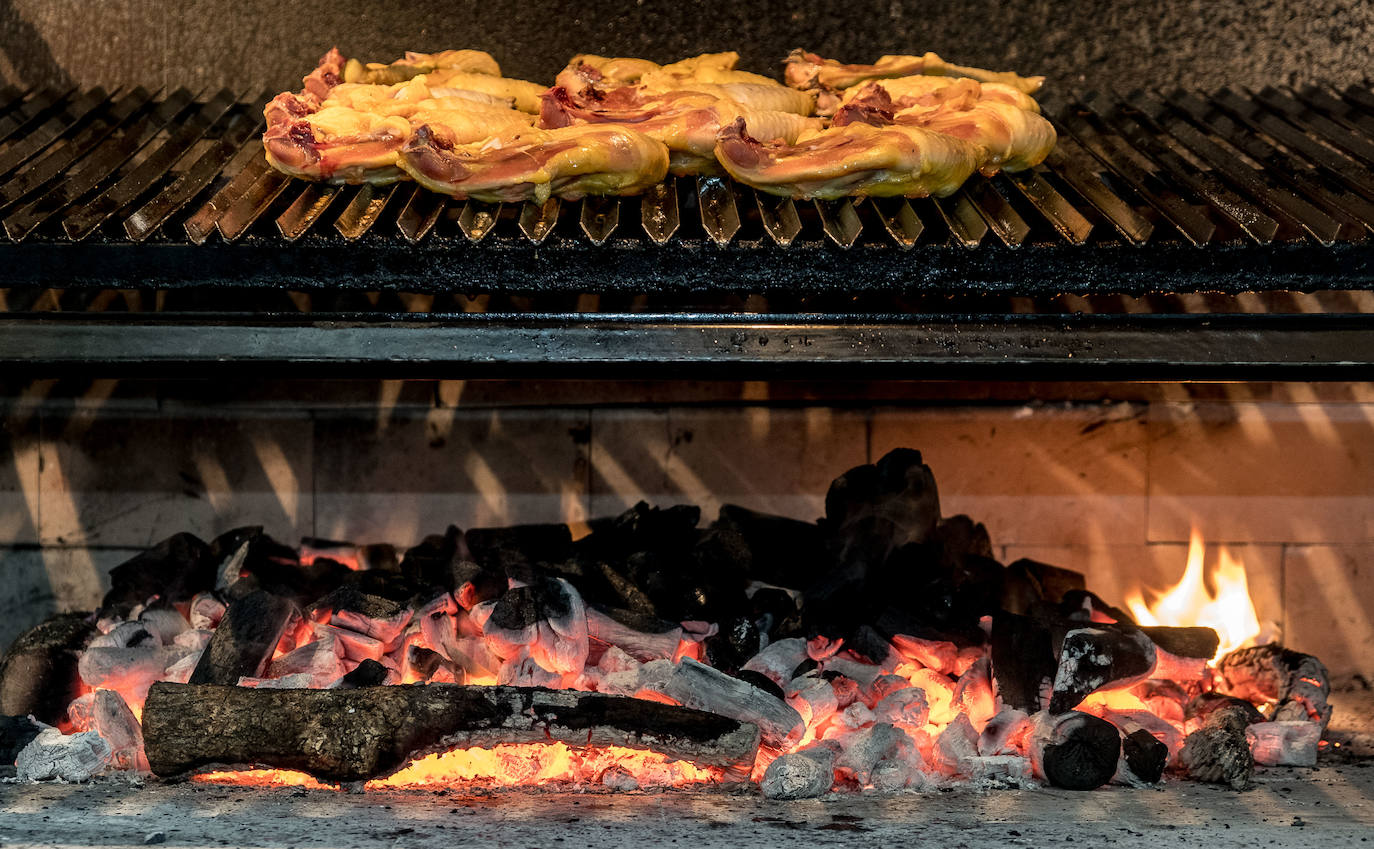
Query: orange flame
point(506, 765)
point(1225, 606)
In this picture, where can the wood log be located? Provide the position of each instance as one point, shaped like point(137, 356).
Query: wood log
point(1195, 642)
point(1219, 751)
point(353, 735)
point(1022, 661)
point(1102, 657)
point(1075, 751)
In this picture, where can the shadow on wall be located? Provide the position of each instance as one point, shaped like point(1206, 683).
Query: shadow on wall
point(28, 59)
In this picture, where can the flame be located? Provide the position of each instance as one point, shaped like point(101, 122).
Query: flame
point(506, 765)
point(1225, 607)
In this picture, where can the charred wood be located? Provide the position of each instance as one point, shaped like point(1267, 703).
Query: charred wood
point(1298, 682)
point(1030, 581)
point(1075, 751)
point(514, 550)
point(38, 675)
point(786, 552)
point(1204, 705)
point(1144, 757)
point(352, 735)
point(1092, 659)
point(175, 569)
point(697, 685)
point(16, 732)
point(1023, 661)
point(245, 639)
point(1219, 751)
point(1200, 643)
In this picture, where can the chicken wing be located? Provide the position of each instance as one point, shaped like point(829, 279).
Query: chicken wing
point(687, 122)
point(415, 64)
point(569, 162)
point(854, 159)
point(809, 72)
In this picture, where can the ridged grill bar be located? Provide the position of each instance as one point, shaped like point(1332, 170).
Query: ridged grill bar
point(1185, 167)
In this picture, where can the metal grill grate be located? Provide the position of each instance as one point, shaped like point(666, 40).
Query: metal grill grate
point(1273, 174)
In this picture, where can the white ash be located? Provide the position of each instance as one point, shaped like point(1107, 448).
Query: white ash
point(64, 757)
point(803, 774)
point(779, 660)
point(1284, 743)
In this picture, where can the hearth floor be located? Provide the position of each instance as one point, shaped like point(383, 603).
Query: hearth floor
point(1330, 806)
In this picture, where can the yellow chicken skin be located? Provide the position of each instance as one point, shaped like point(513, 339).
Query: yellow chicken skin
point(855, 159)
point(534, 165)
point(827, 77)
point(414, 64)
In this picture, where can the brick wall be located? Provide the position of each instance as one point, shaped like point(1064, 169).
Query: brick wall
point(1281, 474)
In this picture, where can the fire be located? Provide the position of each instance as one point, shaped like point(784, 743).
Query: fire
point(1224, 606)
point(507, 765)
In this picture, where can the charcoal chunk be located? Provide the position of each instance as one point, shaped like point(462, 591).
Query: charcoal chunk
point(245, 639)
point(175, 570)
point(776, 613)
point(437, 561)
point(782, 551)
point(369, 673)
point(1194, 642)
point(1022, 661)
point(639, 529)
point(763, 682)
point(38, 674)
point(16, 732)
point(1145, 756)
point(732, 647)
point(1097, 657)
point(514, 550)
point(1203, 705)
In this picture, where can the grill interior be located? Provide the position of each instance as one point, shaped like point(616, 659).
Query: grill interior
point(1231, 167)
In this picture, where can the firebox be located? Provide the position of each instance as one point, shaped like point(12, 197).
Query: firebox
point(339, 513)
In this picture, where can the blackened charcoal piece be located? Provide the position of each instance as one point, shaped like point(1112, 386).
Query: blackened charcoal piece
point(641, 528)
point(355, 601)
point(245, 639)
point(882, 506)
point(1082, 605)
point(548, 619)
point(435, 562)
point(249, 560)
point(1219, 752)
point(1204, 705)
point(393, 586)
point(1030, 581)
point(16, 732)
point(959, 535)
point(732, 647)
point(425, 662)
point(776, 613)
point(1298, 682)
point(786, 552)
point(228, 543)
point(513, 550)
point(175, 570)
point(763, 682)
point(936, 594)
point(1145, 756)
point(1091, 659)
point(38, 674)
point(868, 644)
point(1075, 751)
point(369, 673)
point(689, 585)
point(1023, 662)
point(354, 735)
point(1194, 642)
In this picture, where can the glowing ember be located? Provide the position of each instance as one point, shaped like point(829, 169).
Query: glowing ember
point(508, 765)
point(1219, 600)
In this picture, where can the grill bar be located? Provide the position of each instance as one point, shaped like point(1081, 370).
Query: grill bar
point(1268, 169)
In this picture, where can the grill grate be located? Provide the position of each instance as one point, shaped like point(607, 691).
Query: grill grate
point(1279, 170)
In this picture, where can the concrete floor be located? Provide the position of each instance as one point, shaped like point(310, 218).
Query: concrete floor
point(1330, 806)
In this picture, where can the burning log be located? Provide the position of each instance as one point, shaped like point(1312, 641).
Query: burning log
point(353, 735)
point(1298, 682)
point(1075, 751)
point(245, 639)
point(1219, 752)
point(38, 675)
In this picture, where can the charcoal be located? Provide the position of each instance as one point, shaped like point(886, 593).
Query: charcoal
point(1073, 750)
point(106, 713)
point(1082, 606)
point(369, 673)
point(1023, 663)
point(883, 506)
point(16, 732)
point(1029, 581)
point(1001, 770)
point(1195, 642)
point(870, 646)
point(973, 693)
point(206, 611)
point(698, 686)
point(376, 616)
point(956, 745)
point(1219, 751)
point(251, 561)
point(779, 660)
point(813, 698)
point(513, 550)
point(942, 593)
point(125, 635)
point(174, 570)
point(644, 638)
point(737, 642)
point(70, 757)
point(1131, 721)
point(164, 622)
point(1100, 657)
point(245, 639)
point(1298, 682)
point(865, 755)
point(547, 617)
point(763, 682)
point(319, 659)
point(1007, 733)
point(1202, 705)
point(423, 662)
point(906, 707)
point(1145, 757)
point(131, 670)
point(394, 586)
point(1285, 743)
point(776, 613)
point(705, 583)
point(38, 674)
point(803, 774)
point(782, 551)
point(438, 562)
point(641, 528)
